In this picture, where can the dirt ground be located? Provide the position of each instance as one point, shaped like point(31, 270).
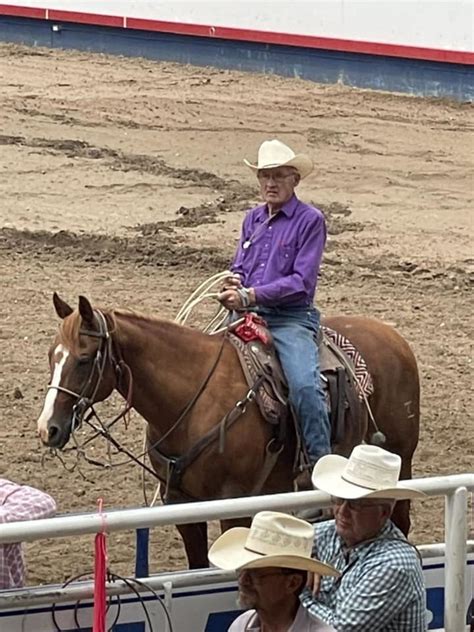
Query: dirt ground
point(122, 179)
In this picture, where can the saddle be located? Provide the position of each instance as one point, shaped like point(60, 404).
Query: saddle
point(260, 364)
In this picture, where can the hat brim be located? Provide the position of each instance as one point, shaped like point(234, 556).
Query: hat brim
point(229, 553)
point(327, 476)
point(301, 162)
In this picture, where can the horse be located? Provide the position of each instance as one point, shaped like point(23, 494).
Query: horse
point(184, 382)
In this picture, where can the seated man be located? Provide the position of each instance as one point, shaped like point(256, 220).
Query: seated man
point(272, 559)
point(381, 586)
point(276, 268)
point(19, 502)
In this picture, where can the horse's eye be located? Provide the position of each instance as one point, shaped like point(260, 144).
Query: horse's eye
point(83, 359)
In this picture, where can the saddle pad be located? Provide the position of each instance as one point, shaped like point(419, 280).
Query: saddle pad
point(361, 371)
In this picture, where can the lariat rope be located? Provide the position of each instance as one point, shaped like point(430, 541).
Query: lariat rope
point(201, 293)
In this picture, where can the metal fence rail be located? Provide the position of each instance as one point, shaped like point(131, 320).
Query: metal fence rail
point(120, 520)
point(455, 488)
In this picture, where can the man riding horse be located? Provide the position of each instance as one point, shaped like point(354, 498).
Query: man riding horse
point(206, 437)
point(276, 269)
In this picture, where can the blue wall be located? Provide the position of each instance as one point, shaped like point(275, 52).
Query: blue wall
point(417, 77)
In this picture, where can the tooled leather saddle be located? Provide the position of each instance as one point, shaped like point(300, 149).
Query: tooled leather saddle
point(260, 364)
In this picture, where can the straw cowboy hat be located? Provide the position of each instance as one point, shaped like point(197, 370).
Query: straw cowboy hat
point(274, 539)
point(369, 472)
point(274, 153)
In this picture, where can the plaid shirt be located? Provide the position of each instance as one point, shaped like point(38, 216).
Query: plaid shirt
point(381, 588)
point(19, 502)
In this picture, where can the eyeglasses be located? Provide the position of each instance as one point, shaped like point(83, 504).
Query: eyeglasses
point(266, 176)
point(255, 576)
point(358, 504)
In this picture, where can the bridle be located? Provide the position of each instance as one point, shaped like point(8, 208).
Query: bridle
point(85, 398)
point(105, 354)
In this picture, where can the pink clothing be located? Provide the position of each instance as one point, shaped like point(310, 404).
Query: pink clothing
point(248, 622)
point(17, 503)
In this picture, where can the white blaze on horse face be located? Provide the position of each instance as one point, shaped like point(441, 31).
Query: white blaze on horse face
point(60, 356)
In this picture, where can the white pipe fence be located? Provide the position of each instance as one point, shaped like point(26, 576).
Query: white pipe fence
point(186, 513)
point(456, 537)
point(455, 488)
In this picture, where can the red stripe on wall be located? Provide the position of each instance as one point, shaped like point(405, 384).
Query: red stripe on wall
point(23, 12)
point(178, 28)
point(265, 37)
point(86, 18)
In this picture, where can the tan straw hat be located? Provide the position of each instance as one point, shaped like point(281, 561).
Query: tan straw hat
point(274, 153)
point(274, 539)
point(370, 471)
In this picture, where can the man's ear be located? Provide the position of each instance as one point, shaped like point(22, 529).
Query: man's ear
point(295, 583)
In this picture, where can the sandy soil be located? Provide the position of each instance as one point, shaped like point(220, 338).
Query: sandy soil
point(123, 180)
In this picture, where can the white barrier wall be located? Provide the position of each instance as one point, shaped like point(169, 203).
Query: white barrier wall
point(189, 596)
point(438, 24)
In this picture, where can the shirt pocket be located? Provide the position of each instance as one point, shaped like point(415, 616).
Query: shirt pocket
point(286, 259)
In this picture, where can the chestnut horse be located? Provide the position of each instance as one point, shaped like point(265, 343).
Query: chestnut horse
point(185, 382)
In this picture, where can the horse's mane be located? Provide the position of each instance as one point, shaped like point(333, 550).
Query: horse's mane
point(71, 325)
point(69, 332)
point(151, 321)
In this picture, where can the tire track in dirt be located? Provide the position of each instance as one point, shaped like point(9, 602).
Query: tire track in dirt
point(161, 251)
point(122, 161)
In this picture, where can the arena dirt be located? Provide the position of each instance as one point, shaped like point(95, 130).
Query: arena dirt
point(122, 179)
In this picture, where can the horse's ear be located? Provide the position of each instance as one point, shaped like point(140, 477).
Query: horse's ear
point(61, 307)
point(85, 310)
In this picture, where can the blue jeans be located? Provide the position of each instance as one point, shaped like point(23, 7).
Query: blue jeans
point(293, 330)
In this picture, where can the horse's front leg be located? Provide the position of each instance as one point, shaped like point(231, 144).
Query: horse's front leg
point(194, 536)
point(234, 522)
point(195, 542)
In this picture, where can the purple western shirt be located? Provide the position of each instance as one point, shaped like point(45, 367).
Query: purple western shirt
point(280, 256)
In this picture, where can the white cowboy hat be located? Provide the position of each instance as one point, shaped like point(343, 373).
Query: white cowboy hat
point(369, 472)
point(274, 539)
point(274, 153)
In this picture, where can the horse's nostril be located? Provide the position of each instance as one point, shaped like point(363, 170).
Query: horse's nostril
point(53, 432)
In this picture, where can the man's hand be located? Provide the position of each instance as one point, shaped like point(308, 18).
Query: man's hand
point(232, 282)
point(314, 583)
point(232, 300)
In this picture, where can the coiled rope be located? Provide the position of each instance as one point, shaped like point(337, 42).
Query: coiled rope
point(201, 293)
